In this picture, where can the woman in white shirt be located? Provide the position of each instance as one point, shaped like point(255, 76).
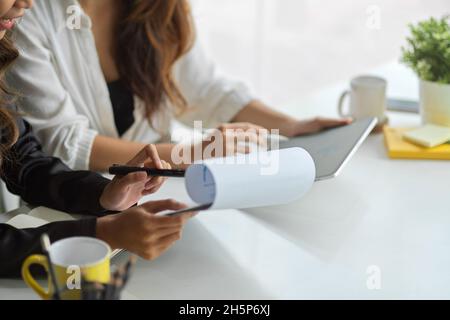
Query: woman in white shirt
point(95, 73)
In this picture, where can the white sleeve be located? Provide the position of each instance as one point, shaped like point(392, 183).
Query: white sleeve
point(45, 103)
point(212, 97)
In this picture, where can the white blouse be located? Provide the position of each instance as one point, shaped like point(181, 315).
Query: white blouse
point(66, 98)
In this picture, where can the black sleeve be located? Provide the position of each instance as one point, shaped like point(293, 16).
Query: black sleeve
point(16, 245)
point(45, 181)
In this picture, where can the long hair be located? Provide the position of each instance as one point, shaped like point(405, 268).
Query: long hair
point(8, 129)
point(153, 35)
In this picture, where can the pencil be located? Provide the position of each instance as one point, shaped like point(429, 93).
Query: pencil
point(99, 290)
point(110, 288)
point(131, 262)
point(118, 286)
point(45, 243)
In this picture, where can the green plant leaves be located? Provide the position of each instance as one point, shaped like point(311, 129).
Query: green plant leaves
point(428, 50)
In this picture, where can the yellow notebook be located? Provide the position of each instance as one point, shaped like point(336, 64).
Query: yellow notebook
point(399, 148)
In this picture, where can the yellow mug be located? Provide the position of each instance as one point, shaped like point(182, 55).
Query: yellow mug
point(72, 259)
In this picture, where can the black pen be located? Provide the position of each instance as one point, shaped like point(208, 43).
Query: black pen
point(119, 170)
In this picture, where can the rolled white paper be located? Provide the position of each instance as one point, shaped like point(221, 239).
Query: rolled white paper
point(253, 180)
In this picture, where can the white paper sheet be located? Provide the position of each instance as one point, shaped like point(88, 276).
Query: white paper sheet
point(24, 221)
point(254, 180)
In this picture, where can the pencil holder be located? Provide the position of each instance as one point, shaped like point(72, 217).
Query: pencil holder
point(111, 290)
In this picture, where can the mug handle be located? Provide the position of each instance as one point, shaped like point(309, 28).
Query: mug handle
point(341, 104)
point(28, 278)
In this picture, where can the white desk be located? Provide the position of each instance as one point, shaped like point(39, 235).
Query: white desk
point(390, 213)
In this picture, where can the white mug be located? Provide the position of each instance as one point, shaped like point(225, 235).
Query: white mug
point(367, 99)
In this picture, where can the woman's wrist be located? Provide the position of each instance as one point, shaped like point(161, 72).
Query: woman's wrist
point(108, 201)
point(104, 230)
point(289, 128)
point(103, 202)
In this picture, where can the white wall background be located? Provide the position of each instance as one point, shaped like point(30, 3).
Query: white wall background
point(287, 48)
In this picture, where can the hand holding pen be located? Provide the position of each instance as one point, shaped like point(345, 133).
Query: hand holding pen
point(126, 190)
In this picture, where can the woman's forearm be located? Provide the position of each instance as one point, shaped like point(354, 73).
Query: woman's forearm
point(107, 151)
point(258, 113)
point(18, 244)
point(25, 172)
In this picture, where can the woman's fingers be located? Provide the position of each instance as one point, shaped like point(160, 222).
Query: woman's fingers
point(148, 153)
point(162, 222)
point(140, 158)
point(154, 181)
point(166, 165)
point(151, 190)
point(238, 137)
point(168, 240)
point(235, 138)
point(240, 125)
point(331, 123)
point(245, 132)
point(153, 184)
point(154, 156)
point(164, 232)
point(239, 149)
point(132, 178)
point(161, 205)
point(318, 124)
point(156, 247)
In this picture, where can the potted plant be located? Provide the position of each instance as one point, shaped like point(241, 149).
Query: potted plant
point(428, 54)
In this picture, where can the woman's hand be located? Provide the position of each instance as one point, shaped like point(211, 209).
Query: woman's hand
point(142, 232)
point(297, 128)
point(257, 112)
point(125, 191)
point(233, 138)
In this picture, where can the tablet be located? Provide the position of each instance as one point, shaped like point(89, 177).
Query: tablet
point(332, 149)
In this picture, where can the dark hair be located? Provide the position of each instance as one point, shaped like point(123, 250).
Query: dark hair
point(152, 37)
point(8, 129)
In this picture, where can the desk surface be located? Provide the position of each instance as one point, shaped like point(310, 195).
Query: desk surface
point(391, 214)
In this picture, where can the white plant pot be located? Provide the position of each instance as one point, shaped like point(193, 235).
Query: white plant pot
point(435, 103)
